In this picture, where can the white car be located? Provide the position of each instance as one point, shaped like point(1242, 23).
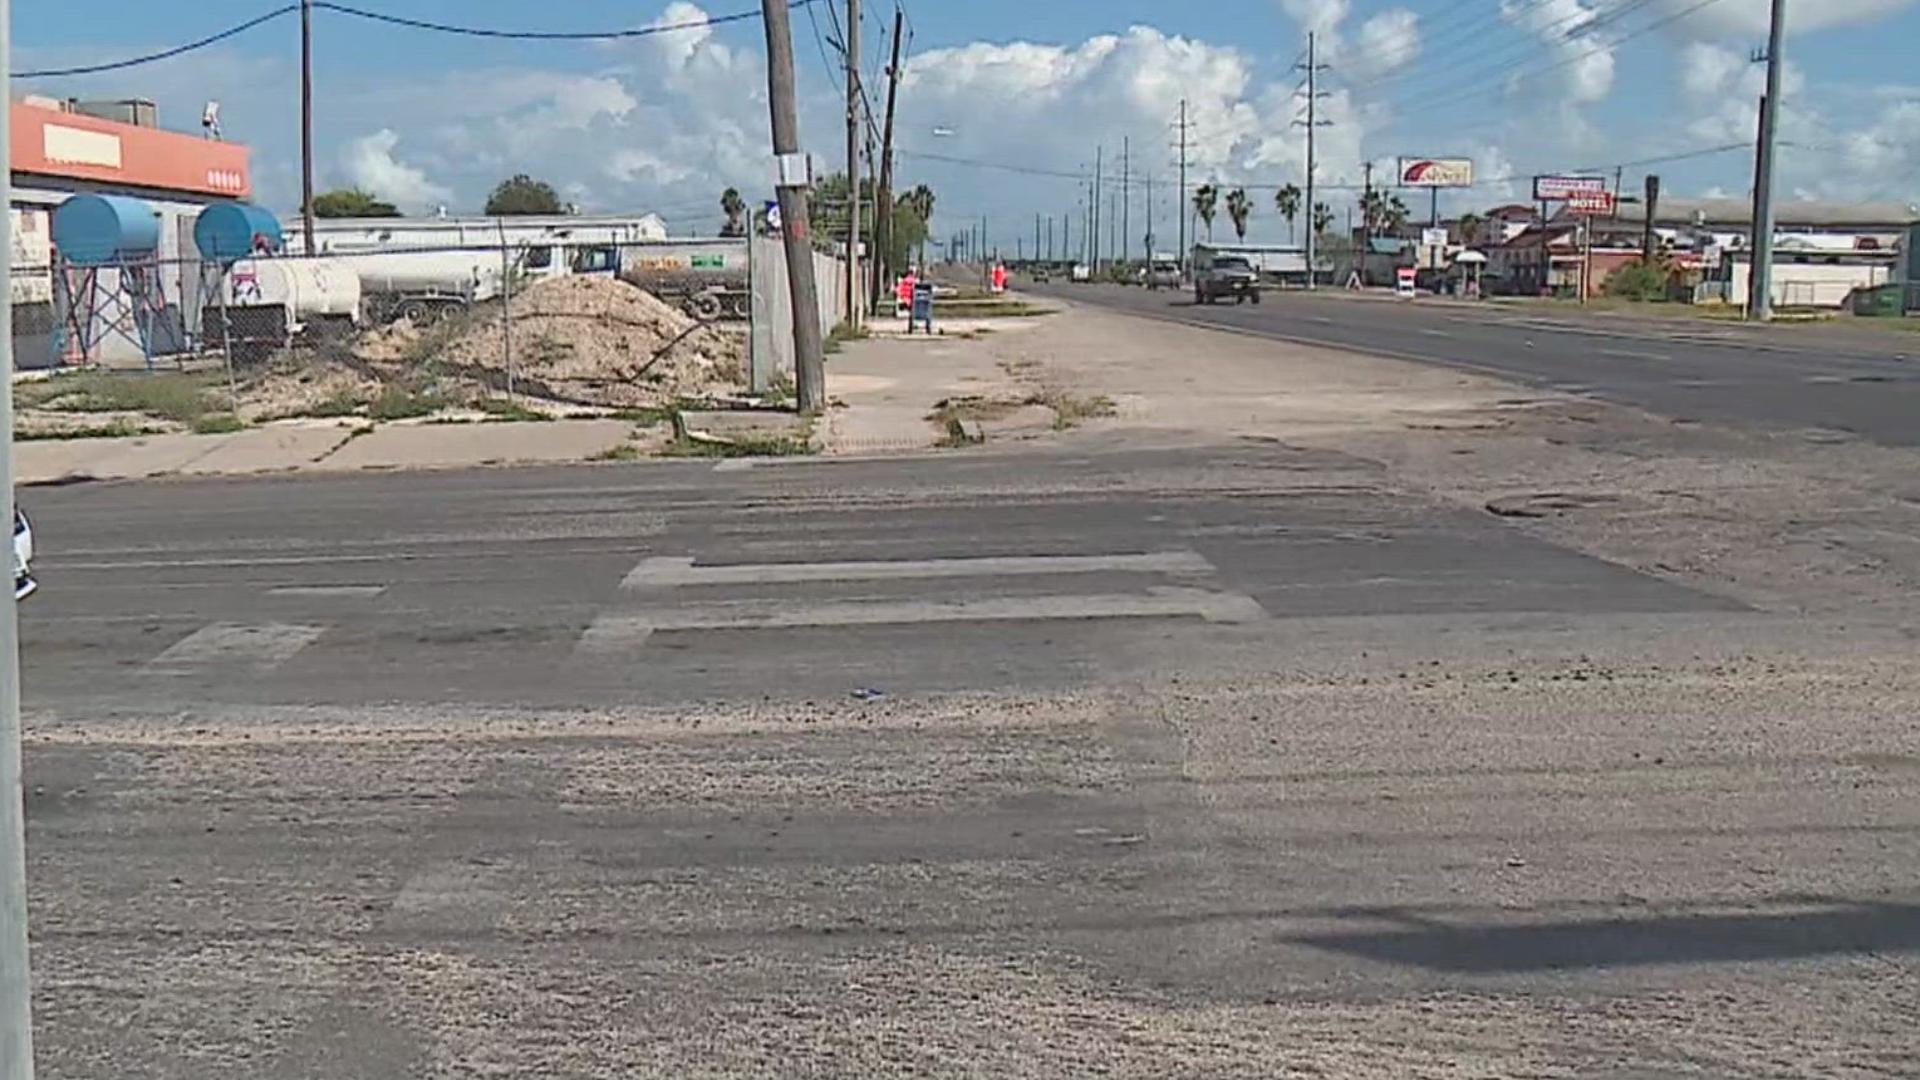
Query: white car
point(23, 583)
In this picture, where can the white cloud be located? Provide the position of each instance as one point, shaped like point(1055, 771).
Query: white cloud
point(1580, 41)
point(1388, 42)
point(369, 164)
point(1322, 16)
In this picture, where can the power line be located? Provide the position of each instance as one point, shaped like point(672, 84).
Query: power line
point(546, 35)
point(165, 54)
point(1431, 102)
point(396, 20)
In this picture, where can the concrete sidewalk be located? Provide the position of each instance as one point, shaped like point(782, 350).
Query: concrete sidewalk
point(316, 447)
point(884, 388)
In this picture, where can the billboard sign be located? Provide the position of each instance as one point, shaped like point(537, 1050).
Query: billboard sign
point(1557, 188)
point(1591, 203)
point(1436, 172)
point(1433, 238)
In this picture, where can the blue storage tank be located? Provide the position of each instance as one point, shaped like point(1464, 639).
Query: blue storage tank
point(95, 230)
point(232, 230)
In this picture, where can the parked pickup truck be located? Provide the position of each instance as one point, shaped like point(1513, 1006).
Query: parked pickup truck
point(1217, 276)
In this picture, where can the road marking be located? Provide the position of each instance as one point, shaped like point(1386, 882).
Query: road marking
point(1632, 354)
point(672, 571)
point(734, 465)
point(329, 591)
point(612, 633)
point(262, 645)
point(1430, 332)
point(1321, 319)
point(1823, 380)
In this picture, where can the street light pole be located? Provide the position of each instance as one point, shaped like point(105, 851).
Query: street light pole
point(1760, 293)
point(16, 983)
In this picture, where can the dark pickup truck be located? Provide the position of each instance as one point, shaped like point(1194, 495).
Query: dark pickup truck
point(1223, 276)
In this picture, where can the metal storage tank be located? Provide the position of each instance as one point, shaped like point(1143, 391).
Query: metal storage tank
point(227, 231)
point(307, 288)
point(98, 230)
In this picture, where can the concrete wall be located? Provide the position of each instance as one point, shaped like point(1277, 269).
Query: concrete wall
point(772, 337)
point(1816, 285)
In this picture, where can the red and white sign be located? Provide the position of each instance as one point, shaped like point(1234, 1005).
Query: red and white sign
point(1556, 188)
point(1404, 279)
point(1591, 203)
point(1436, 172)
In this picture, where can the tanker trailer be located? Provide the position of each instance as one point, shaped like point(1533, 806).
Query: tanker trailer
point(706, 278)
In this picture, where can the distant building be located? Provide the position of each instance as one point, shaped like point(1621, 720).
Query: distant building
point(543, 237)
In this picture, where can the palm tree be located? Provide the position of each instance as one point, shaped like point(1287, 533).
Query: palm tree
point(1287, 201)
point(1205, 199)
point(1395, 214)
point(1239, 209)
point(1322, 218)
point(1470, 225)
point(732, 205)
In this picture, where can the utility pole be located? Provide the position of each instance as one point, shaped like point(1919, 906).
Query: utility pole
point(1098, 153)
point(1147, 256)
point(852, 57)
point(1312, 123)
point(1760, 285)
point(1366, 218)
point(16, 982)
point(1036, 237)
point(883, 208)
point(1049, 237)
point(1126, 196)
point(810, 381)
point(306, 125)
point(1180, 203)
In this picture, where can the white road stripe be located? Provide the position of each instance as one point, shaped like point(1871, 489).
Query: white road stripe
point(1631, 354)
point(262, 645)
point(734, 465)
point(329, 591)
point(619, 632)
point(1430, 332)
point(671, 571)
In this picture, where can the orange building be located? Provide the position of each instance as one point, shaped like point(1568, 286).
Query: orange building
point(62, 148)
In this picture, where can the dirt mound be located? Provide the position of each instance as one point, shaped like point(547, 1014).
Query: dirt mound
point(599, 340)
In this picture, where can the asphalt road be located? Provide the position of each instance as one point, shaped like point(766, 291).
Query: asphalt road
point(1152, 763)
point(1862, 383)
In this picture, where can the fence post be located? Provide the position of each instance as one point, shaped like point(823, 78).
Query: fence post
point(506, 306)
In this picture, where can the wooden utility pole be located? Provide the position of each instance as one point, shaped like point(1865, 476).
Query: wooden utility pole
point(306, 124)
point(852, 57)
point(883, 199)
point(1126, 197)
point(810, 382)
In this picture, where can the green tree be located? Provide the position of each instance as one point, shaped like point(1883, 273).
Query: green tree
point(1206, 198)
point(1239, 209)
point(909, 232)
point(1287, 201)
point(1382, 212)
point(523, 195)
point(735, 207)
point(1640, 280)
point(827, 207)
point(1470, 226)
point(351, 203)
point(1322, 218)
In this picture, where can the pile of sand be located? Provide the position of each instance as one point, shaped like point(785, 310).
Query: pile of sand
point(598, 340)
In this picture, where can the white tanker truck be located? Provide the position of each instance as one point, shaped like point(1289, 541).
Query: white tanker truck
point(266, 304)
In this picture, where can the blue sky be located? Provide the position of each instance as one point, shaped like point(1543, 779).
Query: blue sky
point(664, 123)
